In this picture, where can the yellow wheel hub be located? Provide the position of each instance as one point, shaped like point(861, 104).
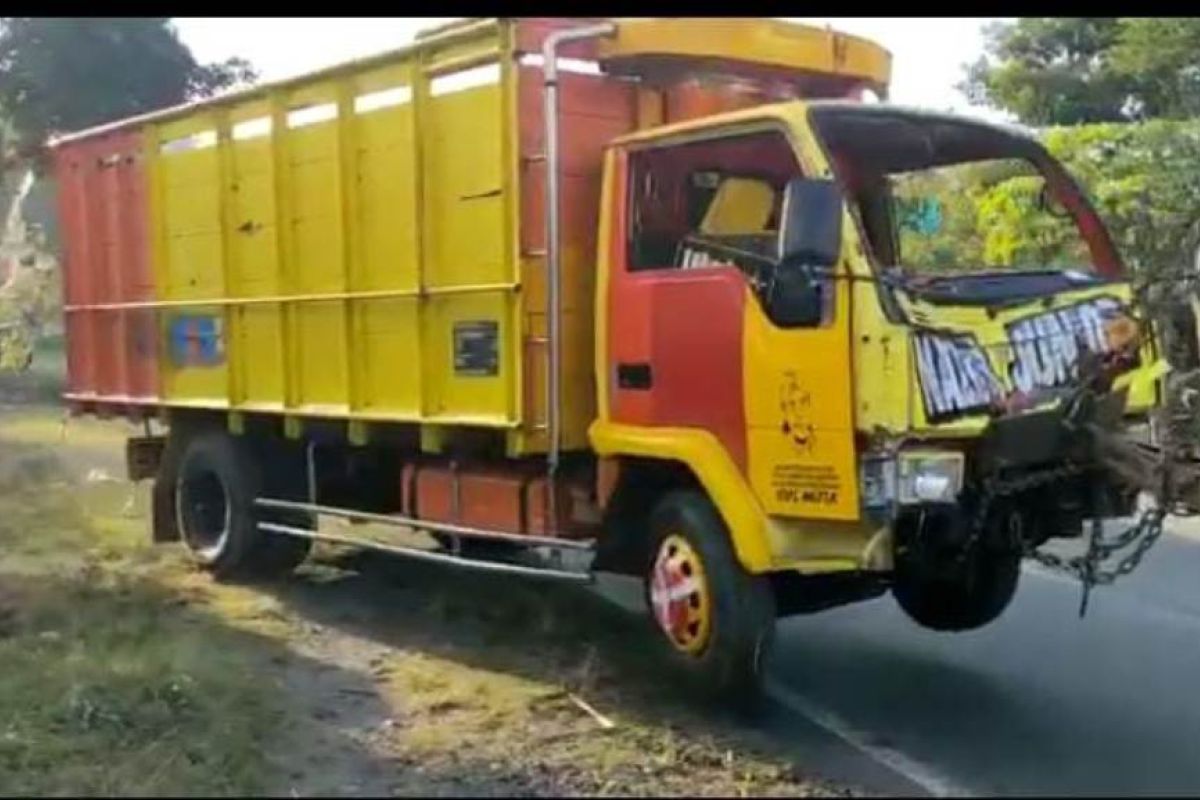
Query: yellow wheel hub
point(679, 595)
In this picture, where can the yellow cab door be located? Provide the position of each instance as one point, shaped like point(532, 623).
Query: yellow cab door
point(691, 342)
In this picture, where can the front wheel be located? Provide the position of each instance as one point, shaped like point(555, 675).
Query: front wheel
point(969, 599)
point(716, 620)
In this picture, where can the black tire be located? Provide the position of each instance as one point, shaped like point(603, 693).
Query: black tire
point(741, 622)
point(215, 488)
point(970, 600)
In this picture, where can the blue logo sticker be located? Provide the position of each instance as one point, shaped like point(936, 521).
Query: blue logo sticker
point(196, 340)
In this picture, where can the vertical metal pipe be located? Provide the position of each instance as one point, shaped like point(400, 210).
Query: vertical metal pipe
point(553, 254)
point(310, 468)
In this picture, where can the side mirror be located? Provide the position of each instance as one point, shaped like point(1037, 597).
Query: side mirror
point(811, 233)
point(794, 299)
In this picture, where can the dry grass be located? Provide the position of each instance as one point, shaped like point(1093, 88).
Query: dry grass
point(126, 671)
point(108, 686)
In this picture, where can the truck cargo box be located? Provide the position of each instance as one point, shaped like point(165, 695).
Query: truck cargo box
point(367, 242)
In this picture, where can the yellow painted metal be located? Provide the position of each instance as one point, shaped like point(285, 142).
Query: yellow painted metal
point(799, 403)
point(775, 43)
point(600, 311)
point(703, 453)
point(762, 543)
point(336, 231)
point(887, 390)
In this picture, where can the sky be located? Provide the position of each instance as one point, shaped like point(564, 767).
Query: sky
point(927, 53)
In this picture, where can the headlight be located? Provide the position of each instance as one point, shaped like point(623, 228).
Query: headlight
point(930, 477)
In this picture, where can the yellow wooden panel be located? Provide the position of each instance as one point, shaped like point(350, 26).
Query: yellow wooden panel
point(320, 331)
point(194, 365)
point(443, 57)
point(464, 209)
point(387, 199)
point(317, 226)
point(261, 355)
point(388, 346)
point(191, 191)
point(193, 267)
point(185, 126)
point(452, 391)
point(288, 197)
point(255, 249)
point(192, 223)
point(384, 77)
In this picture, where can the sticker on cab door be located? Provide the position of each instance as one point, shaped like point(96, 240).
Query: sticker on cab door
point(801, 482)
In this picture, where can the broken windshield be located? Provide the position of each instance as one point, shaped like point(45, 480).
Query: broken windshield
point(936, 195)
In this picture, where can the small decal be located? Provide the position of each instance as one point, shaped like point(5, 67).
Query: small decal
point(805, 484)
point(196, 340)
point(477, 348)
point(795, 403)
point(694, 258)
point(798, 483)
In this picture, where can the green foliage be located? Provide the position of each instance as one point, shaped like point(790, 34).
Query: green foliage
point(1163, 55)
point(1069, 71)
point(1049, 70)
point(60, 74)
point(1143, 178)
point(992, 216)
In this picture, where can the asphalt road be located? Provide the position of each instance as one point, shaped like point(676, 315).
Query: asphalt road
point(1039, 702)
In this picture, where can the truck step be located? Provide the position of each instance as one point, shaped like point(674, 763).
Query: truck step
point(452, 559)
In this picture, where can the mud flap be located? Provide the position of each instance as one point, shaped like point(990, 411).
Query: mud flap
point(163, 525)
point(143, 456)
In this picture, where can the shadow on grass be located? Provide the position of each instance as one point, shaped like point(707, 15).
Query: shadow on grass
point(111, 687)
point(544, 632)
point(113, 682)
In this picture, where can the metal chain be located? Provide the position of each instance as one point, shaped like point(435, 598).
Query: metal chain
point(1087, 567)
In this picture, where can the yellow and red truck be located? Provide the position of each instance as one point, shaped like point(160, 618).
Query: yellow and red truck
point(573, 295)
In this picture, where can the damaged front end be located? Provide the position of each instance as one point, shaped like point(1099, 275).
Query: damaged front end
point(1064, 445)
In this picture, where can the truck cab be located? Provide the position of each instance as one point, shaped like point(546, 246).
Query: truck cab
point(775, 314)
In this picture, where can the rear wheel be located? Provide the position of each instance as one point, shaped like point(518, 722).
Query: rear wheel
point(716, 620)
point(216, 484)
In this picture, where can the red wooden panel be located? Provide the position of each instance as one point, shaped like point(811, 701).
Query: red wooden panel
point(592, 111)
point(111, 351)
point(80, 377)
point(141, 339)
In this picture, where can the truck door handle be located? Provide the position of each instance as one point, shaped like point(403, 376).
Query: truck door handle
point(634, 376)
